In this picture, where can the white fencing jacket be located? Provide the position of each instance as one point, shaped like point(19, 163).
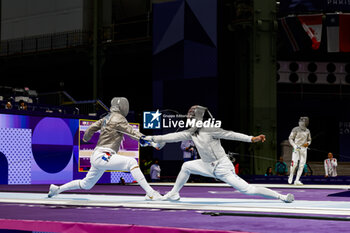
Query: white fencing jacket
point(298, 137)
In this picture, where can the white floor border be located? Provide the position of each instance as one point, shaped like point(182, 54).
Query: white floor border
point(309, 186)
point(326, 208)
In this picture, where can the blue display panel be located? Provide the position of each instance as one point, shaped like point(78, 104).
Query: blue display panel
point(42, 150)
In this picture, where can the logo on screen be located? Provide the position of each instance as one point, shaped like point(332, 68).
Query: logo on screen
point(151, 120)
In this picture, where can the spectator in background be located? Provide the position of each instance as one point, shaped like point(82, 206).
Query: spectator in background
point(146, 168)
point(330, 166)
point(189, 150)
point(155, 171)
point(8, 105)
point(22, 105)
point(236, 165)
point(281, 167)
point(269, 172)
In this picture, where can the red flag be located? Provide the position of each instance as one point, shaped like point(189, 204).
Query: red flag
point(312, 25)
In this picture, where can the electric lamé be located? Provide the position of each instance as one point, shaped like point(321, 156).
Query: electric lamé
point(211, 122)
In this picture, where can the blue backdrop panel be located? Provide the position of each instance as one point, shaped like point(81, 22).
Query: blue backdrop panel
point(203, 13)
point(169, 63)
point(185, 30)
point(41, 150)
point(344, 139)
point(3, 169)
point(184, 59)
point(15, 144)
point(52, 144)
point(168, 26)
point(199, 60)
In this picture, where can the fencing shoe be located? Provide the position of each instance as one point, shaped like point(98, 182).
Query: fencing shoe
point(289, 198)
point(298, 182)
point(154, 196)
point(290, 180)
point(53, 191)
point(171, 196)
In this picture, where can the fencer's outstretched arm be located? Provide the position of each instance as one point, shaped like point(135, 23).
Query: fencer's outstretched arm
point(171, 137)
point(230, 135)
point(123, 127)
point(92, 129)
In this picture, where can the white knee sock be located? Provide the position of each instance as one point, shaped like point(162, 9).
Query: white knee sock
point(250, 189)
point(70, 186)
point(265, 192)
point(141, 180)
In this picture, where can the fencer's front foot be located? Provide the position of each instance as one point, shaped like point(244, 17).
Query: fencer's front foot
point(289, 198)
point(53, 191)
point(171, 196)
point(298, 182)
point(290, 180)
point(153, 196)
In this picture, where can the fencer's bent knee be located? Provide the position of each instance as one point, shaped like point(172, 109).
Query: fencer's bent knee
point(132, 164)
point(85, 185)
point(185, 167)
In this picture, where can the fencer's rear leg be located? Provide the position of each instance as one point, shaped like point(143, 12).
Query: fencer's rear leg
point(242, 186)
point(87, 183)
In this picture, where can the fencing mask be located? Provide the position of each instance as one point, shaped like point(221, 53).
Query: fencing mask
point(197, 112)
point(303, 122)
point(120, 104)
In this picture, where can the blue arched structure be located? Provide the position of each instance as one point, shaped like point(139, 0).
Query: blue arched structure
point(4, 169)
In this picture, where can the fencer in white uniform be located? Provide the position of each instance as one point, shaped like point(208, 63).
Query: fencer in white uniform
point(213, 160)
point(300, 139)
point(112, 129)
point(330, 166)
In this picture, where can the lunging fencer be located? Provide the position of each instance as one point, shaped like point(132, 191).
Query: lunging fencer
point(112, 128)
point(213, 160)
point(300, 139)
